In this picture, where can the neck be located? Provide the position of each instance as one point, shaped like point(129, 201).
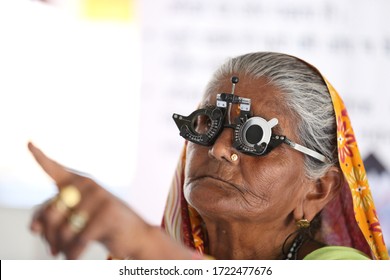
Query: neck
point(241, 240)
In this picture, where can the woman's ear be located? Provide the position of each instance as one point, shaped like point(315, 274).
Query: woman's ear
point(319, 193)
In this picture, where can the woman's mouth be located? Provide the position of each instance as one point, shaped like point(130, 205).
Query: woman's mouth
point(218, 179)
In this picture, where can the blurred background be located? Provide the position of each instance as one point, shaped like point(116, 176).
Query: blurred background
point(94, 84)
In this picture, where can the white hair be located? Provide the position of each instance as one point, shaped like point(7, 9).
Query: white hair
point(306, 95)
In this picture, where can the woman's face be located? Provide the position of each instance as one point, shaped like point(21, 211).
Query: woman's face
point(252, 188)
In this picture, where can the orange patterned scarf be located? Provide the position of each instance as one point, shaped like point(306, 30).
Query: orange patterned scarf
point(349, 220)
point(360, 220)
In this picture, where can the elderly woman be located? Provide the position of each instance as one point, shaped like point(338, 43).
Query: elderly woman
point(270, 170)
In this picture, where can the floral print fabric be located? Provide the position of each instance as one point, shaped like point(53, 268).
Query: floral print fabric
point(355, 174)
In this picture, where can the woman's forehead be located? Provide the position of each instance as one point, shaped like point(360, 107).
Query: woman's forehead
point(265, 97)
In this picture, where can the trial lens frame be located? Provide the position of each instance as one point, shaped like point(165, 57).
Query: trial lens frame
point(252, 135)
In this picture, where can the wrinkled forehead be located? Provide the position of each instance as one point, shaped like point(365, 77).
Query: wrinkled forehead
point(266, 99)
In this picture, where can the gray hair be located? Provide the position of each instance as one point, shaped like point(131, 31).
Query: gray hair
point(306, 96)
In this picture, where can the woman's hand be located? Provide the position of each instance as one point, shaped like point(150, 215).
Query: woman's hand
point(84, 211)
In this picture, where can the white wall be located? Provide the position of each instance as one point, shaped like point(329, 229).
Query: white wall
point(18, 243)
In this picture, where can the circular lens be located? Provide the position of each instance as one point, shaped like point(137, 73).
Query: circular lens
point(202, 124)
point(254, 134)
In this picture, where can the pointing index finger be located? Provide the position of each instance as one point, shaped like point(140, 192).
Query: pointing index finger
point(55, 170)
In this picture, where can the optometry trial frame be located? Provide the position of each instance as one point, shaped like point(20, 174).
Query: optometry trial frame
point(252, 134)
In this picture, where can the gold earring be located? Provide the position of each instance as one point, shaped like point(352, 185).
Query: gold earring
point(302, 223)
point(234, 157)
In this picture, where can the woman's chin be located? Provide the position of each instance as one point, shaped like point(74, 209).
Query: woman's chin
point(210, 199)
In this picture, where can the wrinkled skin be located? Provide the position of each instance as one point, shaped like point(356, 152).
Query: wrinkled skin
point(253, 199)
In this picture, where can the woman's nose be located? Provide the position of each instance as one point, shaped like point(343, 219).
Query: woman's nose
point(222, 148)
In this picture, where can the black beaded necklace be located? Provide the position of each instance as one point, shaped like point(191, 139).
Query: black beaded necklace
point(296, 245)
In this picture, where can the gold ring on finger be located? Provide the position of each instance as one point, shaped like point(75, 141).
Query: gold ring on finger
point(70, 196)
point(77, 221)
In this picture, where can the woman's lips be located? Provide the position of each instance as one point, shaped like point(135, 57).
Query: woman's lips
point(205, 177)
